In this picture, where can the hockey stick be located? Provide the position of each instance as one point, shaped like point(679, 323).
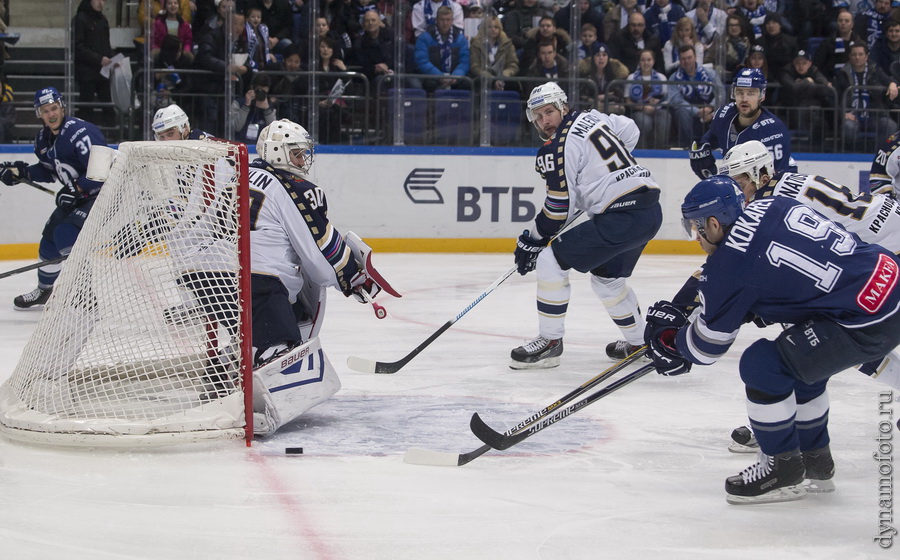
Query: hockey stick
point(371, 366)
point(33, 266)
point(418, 456)
point(500, 441)
point(31, 183)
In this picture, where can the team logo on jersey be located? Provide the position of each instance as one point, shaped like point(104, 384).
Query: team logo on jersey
point(880, 285)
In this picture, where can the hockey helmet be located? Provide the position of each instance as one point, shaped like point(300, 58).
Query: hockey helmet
point(46, 96)
point(752, 158)
point(719, 197)
point(171, 117)
point(546, 94)
point(278, 139)
point(750, 78)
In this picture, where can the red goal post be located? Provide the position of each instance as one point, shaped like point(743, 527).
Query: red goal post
point(146, 339)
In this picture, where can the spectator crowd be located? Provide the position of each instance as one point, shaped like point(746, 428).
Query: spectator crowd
point(830, 66)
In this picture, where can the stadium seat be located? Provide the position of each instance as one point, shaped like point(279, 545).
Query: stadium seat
point(415, 112)
point(506, 117)
point(453, 117)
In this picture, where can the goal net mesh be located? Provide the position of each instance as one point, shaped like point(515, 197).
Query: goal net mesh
point(143, 337)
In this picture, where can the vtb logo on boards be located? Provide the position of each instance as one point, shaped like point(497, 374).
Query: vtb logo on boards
point(471, 202)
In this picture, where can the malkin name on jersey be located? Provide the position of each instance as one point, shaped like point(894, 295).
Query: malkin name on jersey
point(741, 234)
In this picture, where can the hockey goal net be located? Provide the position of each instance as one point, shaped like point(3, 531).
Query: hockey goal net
point(146, 337)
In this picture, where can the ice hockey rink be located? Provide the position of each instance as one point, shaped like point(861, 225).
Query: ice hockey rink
point(637, 475)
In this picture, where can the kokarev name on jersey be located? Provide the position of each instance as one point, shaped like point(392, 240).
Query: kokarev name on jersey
point(742, 231)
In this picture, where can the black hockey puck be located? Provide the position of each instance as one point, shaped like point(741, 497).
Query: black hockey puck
point(293, 451)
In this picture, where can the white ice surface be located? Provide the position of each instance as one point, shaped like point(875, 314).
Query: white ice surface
point(637, 475)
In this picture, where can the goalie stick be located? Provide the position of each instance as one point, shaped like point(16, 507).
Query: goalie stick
point(500, 441)
point(33, 266)
point(418, 456)
point(371, 366)
point(363, 255)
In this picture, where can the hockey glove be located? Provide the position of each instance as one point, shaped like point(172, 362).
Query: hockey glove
point(702, 161)
point(13, 172)
point(68, 196)
point(527, 251)
point(363, 287)
point(663, 322)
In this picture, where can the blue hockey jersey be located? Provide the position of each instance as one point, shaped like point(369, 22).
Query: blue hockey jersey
point(768, 129)
point(64, 157)
point(785, 263)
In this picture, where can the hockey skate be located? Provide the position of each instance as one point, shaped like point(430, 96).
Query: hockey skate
point(772, 479)
point(35, 299)
point(819, 471)
point(540, 353)
point(620, 349)
point(743, 440)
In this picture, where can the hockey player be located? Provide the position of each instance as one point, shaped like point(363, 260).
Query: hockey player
point(844, 306)
point(874, 218)
point(63, 147)
point(171, 123)
point(587, 165)
point(885, 172)
point(296, 253)
point(740, 121)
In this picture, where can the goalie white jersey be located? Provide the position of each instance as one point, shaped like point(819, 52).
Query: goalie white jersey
point(290, 232)
point(874, 218)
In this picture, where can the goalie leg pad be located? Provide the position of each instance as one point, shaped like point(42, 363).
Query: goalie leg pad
point(292, 384)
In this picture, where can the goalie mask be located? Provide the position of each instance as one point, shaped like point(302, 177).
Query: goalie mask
point(168, 118)
point(752, 158)
point(45, 97)
point(279, 139)
point(546, 94)
point(718, 197)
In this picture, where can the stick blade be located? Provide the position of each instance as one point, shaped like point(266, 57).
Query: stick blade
point(361, 364)
point(489, 435)
point(419, 456)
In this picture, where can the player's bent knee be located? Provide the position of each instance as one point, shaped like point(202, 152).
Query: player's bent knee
point(763, 370)
point(292, 384)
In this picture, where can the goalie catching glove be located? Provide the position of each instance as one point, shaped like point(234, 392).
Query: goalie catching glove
point(13, 172)
point(702, 161)
point(663, 322)
point(527, 251)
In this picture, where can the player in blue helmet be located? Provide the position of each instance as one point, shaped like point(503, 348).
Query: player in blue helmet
point(843, 305)
point(742, 120)
point(62, 147)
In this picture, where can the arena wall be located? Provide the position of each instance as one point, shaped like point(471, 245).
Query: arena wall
point(412, 199)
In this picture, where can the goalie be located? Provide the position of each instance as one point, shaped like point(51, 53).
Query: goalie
point(296, 254)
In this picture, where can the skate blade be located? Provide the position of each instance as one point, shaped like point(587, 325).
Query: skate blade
point(786, 494)
point(818, 486)
point(546, 363)
point(736, 447)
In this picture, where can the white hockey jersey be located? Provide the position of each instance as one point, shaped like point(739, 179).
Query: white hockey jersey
point(874, 218)
point(588, 167)
point(290, 233)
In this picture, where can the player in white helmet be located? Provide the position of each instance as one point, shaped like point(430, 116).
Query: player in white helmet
point(296, 253)
point(171, 123)
point(588, 167)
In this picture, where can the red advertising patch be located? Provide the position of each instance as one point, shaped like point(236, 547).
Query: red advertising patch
point(879, 286)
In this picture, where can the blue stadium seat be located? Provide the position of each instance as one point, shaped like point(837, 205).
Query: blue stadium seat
point(453, 117)
point(812, 44)
point(506, 117)
point(415, 112)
